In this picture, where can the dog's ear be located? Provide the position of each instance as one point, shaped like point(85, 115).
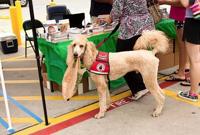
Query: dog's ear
point(70, 79)
point(71, 73)
point(70, 56)
point(91, 48)
point(89, 43)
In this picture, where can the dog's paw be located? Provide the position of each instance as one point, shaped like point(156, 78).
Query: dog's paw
point(108, 106)
point(156, 113)
point(99, 115)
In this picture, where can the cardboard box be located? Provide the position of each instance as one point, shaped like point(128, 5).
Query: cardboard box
point(171, 47)
point(166, 61)
point(83, 87)
point(169, 59)
point(45, 80)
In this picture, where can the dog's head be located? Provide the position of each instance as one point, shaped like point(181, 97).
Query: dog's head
point(78, 46)
point(75, 52)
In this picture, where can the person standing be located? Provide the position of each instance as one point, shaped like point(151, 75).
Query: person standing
point(133, 17)
point(178, 14)
point(191, 37)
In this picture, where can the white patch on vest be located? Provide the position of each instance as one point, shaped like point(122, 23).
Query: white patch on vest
point(100, 67)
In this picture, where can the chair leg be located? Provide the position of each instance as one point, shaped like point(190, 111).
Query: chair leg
point(51, 86)
point(25, 48)
point(32, 46)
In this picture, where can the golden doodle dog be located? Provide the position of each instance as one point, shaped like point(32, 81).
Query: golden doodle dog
point(141, 60)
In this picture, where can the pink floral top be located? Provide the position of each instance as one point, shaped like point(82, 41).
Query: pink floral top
point(133, 16)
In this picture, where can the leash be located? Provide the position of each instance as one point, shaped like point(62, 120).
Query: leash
point(105, 39)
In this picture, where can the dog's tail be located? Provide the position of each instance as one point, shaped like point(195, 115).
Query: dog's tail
point(154, 40)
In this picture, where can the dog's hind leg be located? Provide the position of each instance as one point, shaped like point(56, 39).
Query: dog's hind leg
point(160, 98)
point(102, 89)
point(151, 83)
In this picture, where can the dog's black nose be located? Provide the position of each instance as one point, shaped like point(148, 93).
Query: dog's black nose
point(75, 54)
point(68, 99)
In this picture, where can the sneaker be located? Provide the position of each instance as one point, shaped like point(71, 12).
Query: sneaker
point(140, 94)
point(188, 96)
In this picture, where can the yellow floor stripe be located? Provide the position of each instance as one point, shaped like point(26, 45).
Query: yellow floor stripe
point(160, 76)
point(19, 69)
point(4, 17)
point(14, 58)
point(26, 59)
point(163, 78)
point(69, 115)
point(31, 98)
point(21, 81)
point(19, 59)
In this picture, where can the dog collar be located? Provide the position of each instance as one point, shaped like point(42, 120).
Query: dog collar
point(101, 64)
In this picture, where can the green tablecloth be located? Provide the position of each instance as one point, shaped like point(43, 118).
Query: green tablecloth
point(56, 53)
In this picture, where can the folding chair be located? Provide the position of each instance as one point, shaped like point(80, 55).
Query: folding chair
point(27, 25)
point(57, 12)
point(76, 20)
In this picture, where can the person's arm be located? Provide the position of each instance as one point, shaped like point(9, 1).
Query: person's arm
point(117, 10)
point(186, 3)
point(105, 1)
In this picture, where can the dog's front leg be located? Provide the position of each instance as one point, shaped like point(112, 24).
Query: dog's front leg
point(102, 89)
point(102, 103)
point(108, 98)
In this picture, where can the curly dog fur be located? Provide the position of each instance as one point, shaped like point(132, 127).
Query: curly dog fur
point(141, 60)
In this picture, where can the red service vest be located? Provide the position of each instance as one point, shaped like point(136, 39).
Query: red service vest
point(101, 64)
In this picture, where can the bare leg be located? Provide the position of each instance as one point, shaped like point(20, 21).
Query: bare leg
point(183, 57)
point(194, 58)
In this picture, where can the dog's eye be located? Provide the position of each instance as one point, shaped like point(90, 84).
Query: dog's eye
point(81, 46)
point(74, 45)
